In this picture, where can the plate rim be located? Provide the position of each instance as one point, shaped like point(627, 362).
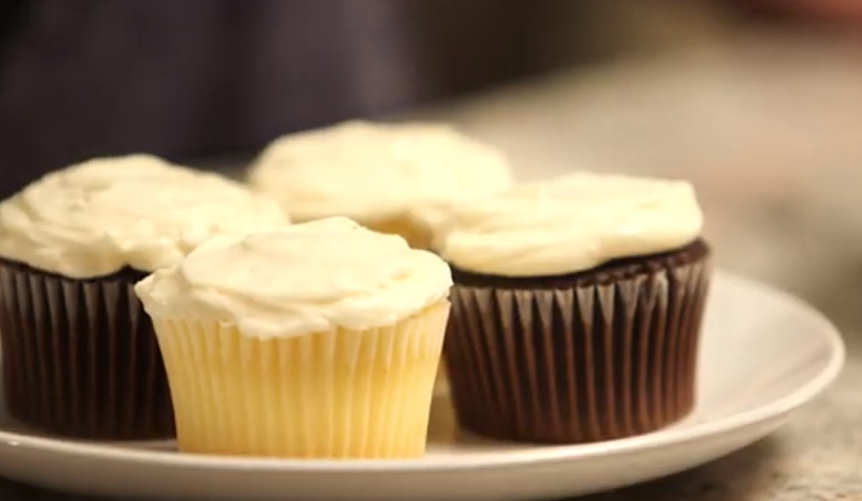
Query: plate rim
point(478, 460)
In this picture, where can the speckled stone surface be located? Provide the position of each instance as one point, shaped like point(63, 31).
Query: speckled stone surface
point(770, 130)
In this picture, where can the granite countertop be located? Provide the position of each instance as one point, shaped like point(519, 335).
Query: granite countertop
point(769, 129)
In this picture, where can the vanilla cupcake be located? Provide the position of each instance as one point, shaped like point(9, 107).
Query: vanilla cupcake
point(388, 177)
point(79, 355)
point(320, 340)
point(577, 308)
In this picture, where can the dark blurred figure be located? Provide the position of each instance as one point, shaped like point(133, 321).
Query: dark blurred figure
point(196, 78)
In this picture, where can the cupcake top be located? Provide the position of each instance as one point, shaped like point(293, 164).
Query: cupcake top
point(307, 278)
point(373, 171)
point(98, 217)
point(570, 224)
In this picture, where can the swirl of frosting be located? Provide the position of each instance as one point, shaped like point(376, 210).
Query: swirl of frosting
point(301, 279)
point(374, 171)
point(95, 218)
point(570, 224)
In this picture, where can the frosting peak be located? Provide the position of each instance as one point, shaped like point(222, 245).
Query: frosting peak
point(95, 218)
point(299, 280)
point(569, 224)
point(373, 171)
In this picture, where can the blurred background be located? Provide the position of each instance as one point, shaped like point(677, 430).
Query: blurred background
point(758, 102)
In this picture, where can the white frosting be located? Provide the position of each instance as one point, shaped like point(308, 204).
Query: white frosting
point(373, 171)
point(569, 224)
point(95, 218)
point(302, 279)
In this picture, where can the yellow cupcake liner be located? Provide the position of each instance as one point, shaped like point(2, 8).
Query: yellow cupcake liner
point(337, 394)
point(419, 236)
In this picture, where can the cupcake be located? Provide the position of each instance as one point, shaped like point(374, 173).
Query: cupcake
point(320, 340)
point(576, 308)
point(391, 178)
point(80, 359)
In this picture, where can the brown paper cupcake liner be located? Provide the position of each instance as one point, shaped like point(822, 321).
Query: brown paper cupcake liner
point(80, 358)
point(595, 356)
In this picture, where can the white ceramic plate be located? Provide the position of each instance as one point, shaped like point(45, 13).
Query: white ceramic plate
point(764, 354)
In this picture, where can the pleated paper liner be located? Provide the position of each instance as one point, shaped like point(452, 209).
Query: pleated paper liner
point(80, 358)
point(582, 358)
point(418, 235)
point(339, 394)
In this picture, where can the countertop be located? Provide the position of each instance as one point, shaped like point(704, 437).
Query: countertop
point(769, 128)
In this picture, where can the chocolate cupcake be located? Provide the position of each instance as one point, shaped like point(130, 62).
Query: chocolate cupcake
point(577, 308)
point(79, 355)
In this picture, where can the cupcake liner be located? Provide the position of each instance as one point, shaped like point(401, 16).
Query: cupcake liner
point(80, 358)
point(338, 394)
point(418, 236)
point(611, 356)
